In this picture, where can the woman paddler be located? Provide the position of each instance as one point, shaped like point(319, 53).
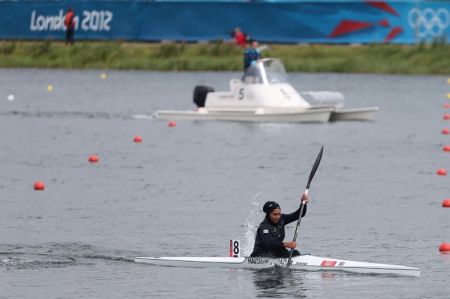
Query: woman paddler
point(270, 233)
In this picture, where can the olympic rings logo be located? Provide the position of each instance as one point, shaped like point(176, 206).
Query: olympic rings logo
point(429, 22)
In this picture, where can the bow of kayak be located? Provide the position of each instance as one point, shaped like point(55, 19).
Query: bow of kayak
point(315, 263)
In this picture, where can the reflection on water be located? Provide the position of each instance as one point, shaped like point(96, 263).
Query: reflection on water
point(278, 282)
point(328, 276)
point(445, 257)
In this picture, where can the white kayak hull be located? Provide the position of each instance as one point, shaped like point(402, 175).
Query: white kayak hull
point(321, 115)
point(303, 262)
point(354, 114)
point(208, 262)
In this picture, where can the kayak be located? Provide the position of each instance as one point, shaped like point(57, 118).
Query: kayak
point(302, 262)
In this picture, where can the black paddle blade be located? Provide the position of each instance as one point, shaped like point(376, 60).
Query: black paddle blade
point(316, 165)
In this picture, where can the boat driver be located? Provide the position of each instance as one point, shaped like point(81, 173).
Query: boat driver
point(251, 54)
point(269, 240)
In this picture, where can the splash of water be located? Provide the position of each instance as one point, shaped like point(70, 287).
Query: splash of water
point(251, 224)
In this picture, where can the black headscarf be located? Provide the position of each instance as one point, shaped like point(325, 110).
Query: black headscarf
point(270, 206)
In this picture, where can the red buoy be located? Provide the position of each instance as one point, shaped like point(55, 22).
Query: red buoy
point(441, 171)
point(446, 148)
point(38, 185)
point(137, 138)
point(446, 203)
point(172, 124)
point(446, 105)
point(93, 158)
point(445, 131)
point(447, 116)
point(445, 247)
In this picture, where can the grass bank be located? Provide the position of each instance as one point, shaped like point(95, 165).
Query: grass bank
point(418, 59)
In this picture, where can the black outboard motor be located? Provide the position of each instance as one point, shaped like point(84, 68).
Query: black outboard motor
point(200, 93)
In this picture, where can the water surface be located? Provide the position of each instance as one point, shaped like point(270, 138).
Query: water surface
point(188, 190)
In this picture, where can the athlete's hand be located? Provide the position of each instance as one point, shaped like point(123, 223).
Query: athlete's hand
point(290, 245)
point(304, 199)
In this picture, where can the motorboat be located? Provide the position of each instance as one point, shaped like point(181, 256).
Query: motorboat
point(265, 95)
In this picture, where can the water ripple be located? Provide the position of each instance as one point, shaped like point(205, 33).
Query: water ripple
point(66, 114)
point(49, 255)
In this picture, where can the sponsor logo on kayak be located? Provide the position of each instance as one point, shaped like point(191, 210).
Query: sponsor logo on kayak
point(284, 262)
point(259, 260)
point(328, 263)
point(277, 261)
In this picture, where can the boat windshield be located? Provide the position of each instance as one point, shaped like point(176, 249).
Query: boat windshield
point(267, 71)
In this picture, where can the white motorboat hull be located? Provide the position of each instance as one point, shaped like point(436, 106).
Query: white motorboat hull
point(259, 115)
point(356, 114)
point(303, 262)
point(264, 95)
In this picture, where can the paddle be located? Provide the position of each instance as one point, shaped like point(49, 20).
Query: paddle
point(311, 175)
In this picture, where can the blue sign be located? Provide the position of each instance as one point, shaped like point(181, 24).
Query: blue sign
point(277, 22)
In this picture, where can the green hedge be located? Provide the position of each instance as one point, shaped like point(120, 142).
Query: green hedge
point(219, 56)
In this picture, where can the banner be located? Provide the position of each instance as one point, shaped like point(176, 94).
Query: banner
point(275, 22)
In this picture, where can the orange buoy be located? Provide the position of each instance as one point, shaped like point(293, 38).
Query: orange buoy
point(93, 158)
point(137, 138)
point(441, 171)
point(445, 131)
point(446, 203)
point(446, 148)
point(445, 247)
point(172, 124)
point(447, 116)
point(39, 185)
